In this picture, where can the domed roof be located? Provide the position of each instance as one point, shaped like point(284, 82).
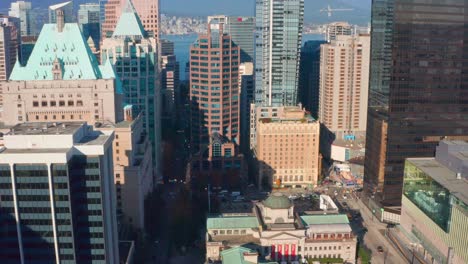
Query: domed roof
point(277, 201)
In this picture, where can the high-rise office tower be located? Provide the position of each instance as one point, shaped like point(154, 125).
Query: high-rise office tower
point(418, 92)
point(135, 57)
point(242, 32)
point(167, 47)
point(214, 90)
point(10, 41)
point(309, 76)
point(338, 29)
point(278, 43)
point(88, 19)
point(344, 84)
point(57, 196)
point(170, 77)
point(22, 10)
point(215, 102)
point(66, 7)
point(247, 93)
point(148, 11)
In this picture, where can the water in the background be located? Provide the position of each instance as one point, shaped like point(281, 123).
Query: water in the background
point(182, 46)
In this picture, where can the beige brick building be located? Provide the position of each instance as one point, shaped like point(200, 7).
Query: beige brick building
point(344, 84)
point(133, 168)
point(287, 148)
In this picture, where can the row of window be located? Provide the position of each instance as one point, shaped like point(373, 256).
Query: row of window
point(61, 103)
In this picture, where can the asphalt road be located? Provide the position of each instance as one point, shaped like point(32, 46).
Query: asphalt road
point(375, 235)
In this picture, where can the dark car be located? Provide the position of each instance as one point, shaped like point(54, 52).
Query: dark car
point(380, 249)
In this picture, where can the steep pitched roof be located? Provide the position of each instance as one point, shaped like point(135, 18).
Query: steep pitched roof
point(129, 23)
point(70, 47)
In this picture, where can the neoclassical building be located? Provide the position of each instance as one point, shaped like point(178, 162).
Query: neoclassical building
point(278, 233)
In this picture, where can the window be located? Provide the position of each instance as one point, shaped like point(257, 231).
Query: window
point(53, 103)
point(61, 103)
point(71, 103)
point(79, 103)
point(35, 103)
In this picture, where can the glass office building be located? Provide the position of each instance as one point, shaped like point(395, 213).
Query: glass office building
point(278, 39)
point(417, 91)
point(57, 196)
point(135, 58)
point(435, 205)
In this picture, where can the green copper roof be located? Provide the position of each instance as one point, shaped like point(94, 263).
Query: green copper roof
point(129, 23)
point(229, 222)
point(324, 219)
point(70, 48)
point(277, 201)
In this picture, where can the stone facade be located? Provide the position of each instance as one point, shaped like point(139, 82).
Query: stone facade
point(279, 234)
point(287, 149)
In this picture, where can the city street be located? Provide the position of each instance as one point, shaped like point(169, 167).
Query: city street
point(375, 235)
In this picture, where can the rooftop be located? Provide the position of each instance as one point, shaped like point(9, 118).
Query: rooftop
point(324, 219)
point(229, 222)
point(70, 48)
point(444, 176)
point(46, 128)
point(129, 23)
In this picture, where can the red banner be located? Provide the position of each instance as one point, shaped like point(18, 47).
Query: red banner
point(280, 252)
point(286, 251)
point(293, 252)
point(273, 252)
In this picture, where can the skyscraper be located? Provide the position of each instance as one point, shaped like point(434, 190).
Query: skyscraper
point(57, 197)
point(148, 11)
point(170, 78)
point(88, 19)
point(278, 42)
point(22, 10)
point(247, 93)
point(135, 57)
point(66, 7)
point(418, 91)
point(10, 41)
point(214, 91)
point(309, 71)
point(215, 102)
point(344, 85)
point(338, 29)
point(242, 32)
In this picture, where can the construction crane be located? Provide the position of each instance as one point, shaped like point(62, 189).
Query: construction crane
point(329, 10)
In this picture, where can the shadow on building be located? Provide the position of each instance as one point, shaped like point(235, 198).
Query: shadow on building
point(35, 248)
